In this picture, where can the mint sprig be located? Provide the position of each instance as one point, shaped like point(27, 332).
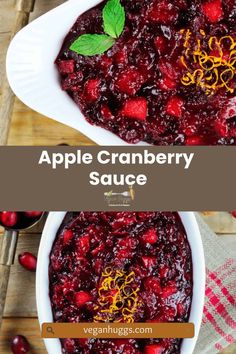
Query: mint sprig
point(113, 18)
point(113, 24)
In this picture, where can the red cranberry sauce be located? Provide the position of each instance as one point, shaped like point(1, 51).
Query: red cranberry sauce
point(152, 246)
point(135, 88)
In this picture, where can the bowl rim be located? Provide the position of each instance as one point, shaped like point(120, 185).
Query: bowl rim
point(51, 227)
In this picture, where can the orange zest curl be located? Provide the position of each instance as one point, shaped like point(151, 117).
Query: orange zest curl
point(118, 297)
point(209, 71)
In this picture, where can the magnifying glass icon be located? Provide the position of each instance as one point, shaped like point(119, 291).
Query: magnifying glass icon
point(50, 330)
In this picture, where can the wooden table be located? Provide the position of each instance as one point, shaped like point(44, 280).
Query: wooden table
point(20, 313)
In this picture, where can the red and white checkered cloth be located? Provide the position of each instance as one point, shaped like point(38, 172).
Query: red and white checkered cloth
point(219, 321)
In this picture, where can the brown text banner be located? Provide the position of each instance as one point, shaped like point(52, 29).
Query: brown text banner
point(118, 330)
point(117, 178)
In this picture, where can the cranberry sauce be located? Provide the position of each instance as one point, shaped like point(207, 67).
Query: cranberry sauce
point(157, 84)
point(150, 249)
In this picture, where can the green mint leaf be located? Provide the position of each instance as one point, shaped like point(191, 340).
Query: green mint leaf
point(113, 18)
point(92, 44)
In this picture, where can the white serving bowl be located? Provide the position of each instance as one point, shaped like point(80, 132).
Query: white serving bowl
point(33, 76)
point(52, 225)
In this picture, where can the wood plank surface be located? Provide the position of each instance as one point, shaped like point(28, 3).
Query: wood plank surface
point(21, 302)
point(7, 24)
point(42, 6)
point(29, 128)
point(21, 10)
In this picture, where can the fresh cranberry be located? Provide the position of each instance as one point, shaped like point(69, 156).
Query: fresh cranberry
point(28, 261)
point(9, 218)
point(128, 81)
point(20, 345)
point(33, 214)
point(154, 349)
point(167, 84)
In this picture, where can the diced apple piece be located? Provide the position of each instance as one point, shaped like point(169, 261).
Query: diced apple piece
point(92, 92)
point(153, 349)
point(150, 236)
point(163, 12)
point(129, 81)
point(167, 84)
point(66, 66)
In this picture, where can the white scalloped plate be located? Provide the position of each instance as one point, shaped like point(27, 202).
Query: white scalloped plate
point(32, 74)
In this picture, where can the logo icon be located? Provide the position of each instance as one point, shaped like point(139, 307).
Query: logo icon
point(120, 198)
